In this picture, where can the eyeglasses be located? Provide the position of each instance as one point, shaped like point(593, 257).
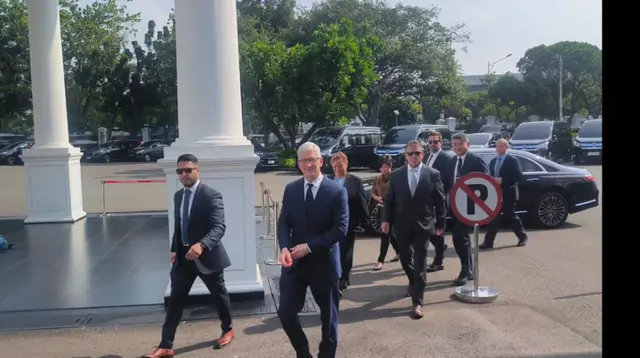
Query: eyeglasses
point(433, 142)
point(413, 154)
point(181, 171)
point(308, 160)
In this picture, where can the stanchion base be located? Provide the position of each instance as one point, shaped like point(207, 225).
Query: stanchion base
point(272, 262)
point(265, 237)
point(482, 295)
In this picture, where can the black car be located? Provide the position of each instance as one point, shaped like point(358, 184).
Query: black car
point(268, 158)
point(356, 142)
point(149, 151)
point(114, 150)
point(549, 191)
point(483, 140)
point(10, 154)
point(395, 140)
point(549, 139)
point(588, 143)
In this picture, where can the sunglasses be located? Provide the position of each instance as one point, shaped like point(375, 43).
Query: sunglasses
point(180, 171)
point(433, 142)
point(413, 154)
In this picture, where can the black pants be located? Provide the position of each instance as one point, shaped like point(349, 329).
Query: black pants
point(293, 289)
point(462, 244)
point(183, 274)
point(438, 245)
point(413, 258)
point(385, 240)
point(508, 213)
point(346, 257)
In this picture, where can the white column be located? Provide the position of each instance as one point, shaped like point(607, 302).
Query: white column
point(54, 183)
point(210, 127)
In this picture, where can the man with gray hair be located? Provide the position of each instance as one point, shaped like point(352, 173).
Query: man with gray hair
point(313, 221)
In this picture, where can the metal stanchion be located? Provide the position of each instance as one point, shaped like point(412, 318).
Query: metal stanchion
point(475, 293)
point(104, 198)
point(267, 223)
point(264, 213)
point(276, 256)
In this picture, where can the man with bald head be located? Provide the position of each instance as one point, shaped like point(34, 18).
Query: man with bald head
point(507, 171)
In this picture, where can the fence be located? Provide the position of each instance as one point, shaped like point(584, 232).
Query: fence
point(270, 213)
point(109, 182)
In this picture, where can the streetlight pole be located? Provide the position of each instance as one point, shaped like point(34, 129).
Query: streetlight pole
point(490, 64)
point(560, 96)
point(396, 112)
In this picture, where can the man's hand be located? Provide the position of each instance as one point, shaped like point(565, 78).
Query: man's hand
point(439, 232)
point(194, 252)
point(499, 181)
point(384, 227)
point(299, 251)
point(377, 198)
point(285, 258)
point(172, 257)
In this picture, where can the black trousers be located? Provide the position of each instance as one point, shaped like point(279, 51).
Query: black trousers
point(293, 289)
point(438, 244)
point(508, 213)
point(462, 244)
point(385, 240)
point(413, 258)
point(183, 274)
point(346, 257)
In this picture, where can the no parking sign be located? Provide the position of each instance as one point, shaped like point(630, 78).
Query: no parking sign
point(476, 198)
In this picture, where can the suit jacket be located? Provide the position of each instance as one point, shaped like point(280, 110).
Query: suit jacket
point(511, 173)
point(472, 163)
point(423, 212)
point(206, 225)
point(441, 161)
point(326, 225)
point(358, 208)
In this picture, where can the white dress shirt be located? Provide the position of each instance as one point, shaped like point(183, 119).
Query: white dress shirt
point(314, 189)
point(455, 169)
point(432, 158)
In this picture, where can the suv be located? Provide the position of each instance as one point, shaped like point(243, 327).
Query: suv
point(588, 142)
point(548, 139)
point(120, 149)
point(396, 139)
point(354, 141)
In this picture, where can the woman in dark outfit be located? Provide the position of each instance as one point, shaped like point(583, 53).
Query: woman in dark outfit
point(378, 192)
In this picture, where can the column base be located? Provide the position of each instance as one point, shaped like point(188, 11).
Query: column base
point(229, 170)
point(54, 185)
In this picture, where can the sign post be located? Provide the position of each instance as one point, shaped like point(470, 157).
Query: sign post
point(476, 199)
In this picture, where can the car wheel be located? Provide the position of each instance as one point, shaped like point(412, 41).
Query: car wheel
point(551, 210)
point(11, 161)
point(107, 159)
point(147, 158)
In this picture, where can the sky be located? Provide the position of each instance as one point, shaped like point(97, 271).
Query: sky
point(497, 27)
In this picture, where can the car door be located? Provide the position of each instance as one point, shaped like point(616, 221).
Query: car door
point(529, 186)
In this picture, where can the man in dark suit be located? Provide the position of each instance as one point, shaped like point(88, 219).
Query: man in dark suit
point(437, 159)
point(415, 205)
point(313, 220)
point(196, 251)
point(358, 213)
point(464, 162)
point(508, 172)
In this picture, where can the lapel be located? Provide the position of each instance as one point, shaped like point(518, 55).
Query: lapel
point(405, 179)
point(195, 201)
point(424, 178)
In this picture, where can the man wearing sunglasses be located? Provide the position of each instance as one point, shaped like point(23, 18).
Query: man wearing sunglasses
point(196, 251)
point(415, 206)
point(437, 159)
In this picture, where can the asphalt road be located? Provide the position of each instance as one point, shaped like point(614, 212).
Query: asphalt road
point(550, 302)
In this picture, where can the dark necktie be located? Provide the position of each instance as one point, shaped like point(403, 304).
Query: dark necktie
point(185, 216)
point(308, 198)
point(459, 168)
point(429, 164)
point(496, 172)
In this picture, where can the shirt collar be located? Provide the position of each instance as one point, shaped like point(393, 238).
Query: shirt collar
point(418, 169)
point(193, 188)
point(463, 156)
point(315, 183)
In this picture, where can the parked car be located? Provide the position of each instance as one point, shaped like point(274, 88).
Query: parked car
point(118, 150)
point(549, 191)
point(150, 150)
point(356, 142)
point(483, 140)
point(396, 139)
point(549, 139)
point(10, 154)
point(588, 143)
point(268, 157)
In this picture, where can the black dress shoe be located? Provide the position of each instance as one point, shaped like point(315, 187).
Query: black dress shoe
point(462, 279)
point(523, 242)
point(434, 268)
point(485, 246)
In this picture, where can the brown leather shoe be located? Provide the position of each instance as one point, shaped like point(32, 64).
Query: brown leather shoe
point(224, 339)
point(160, 353)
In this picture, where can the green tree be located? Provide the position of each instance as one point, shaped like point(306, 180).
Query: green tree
point(509, 95)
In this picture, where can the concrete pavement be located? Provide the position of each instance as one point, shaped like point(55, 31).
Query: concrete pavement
point(550, 305)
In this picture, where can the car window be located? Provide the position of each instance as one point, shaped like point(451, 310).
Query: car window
point(528, 166)
point(375, 138)
point(487, 157)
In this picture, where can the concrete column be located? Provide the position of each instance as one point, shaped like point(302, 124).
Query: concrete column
point(210, 122)
point(54, 181)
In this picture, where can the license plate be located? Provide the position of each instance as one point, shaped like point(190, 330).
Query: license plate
point(271, 162)
point(88, 157)
point(593, 153)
